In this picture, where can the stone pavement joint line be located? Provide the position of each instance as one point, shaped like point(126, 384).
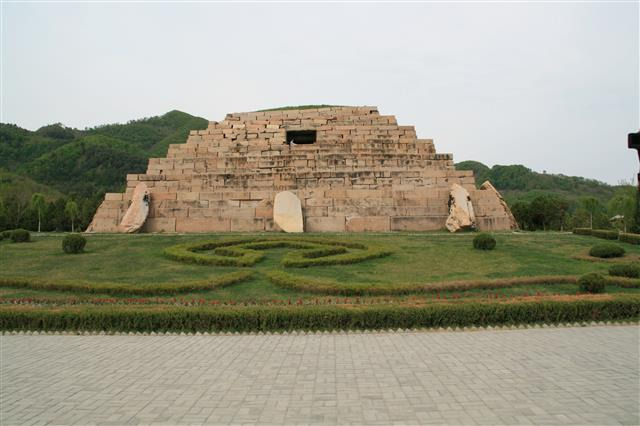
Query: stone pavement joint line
point(530, 376)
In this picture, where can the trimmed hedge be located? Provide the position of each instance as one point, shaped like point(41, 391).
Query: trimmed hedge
point(484, 241)
point(247, 252)
point(119, 288)
point(592, 283)
point(606, 234)
point(20, 236)
point(606, 250)
point(582, 231)
point(629, 238)
point(629, 270)
point(147, 319)
point(324, 286)
point(6, 234)
point(73, 243)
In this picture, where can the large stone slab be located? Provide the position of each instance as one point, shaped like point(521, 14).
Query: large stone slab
point(461, 214)
point(507, 219)
point(138, 210)
point(287, 212)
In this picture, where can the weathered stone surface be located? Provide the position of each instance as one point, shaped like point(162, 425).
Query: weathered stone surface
point(368, 224)
point(138, 210)
point(461, 214)
point(287, 212)
point(159, 224)
point(507, 217)
point(363, 173)
point(213, 224)
point(325, 224)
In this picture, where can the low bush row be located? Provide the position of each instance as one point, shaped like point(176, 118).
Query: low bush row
point(247, 252)
point(324, 286)
point(16, 235)
point(328, 287)
point(605, 233)
point(119, 288)
point(629, 238)
point(154, 318)
point(629, 270)
point(608, 234)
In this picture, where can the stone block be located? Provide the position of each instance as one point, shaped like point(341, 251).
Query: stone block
point(417, 223)
point(325, 224)
point(188, 196)
point(160, 196)
point(113, 196)
point(368, 224)
point(247, 224)
point(155, 224)
point(214, 224)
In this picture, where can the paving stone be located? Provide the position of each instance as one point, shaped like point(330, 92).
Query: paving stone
point(582, 375)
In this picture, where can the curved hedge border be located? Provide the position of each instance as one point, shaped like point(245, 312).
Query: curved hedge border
point(321, 286)
point(118, 288)
point(624, 237)
point(163, 319)
point(247, 252)
point(629, 238)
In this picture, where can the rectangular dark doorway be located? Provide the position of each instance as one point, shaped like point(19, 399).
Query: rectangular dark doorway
point(301, 137)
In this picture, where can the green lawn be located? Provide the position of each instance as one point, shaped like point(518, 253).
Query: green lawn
point(417, 258)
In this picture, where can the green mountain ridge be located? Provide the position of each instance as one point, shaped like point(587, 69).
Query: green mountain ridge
point(96, 160)
point(517, 182)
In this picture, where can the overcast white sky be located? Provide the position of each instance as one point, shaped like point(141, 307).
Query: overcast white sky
point(553, 86)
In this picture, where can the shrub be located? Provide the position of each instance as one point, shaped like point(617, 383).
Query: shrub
point(629, 238)
point(247, 252)
point(6, 234)
point(194, 319)
point(484, 242)
point(20, 236)
point(606, 250)
point(73, 243)
point(120, 288)
point(582, 231)
point(606, 234)
point(629, 270)
point(592, 283)
point(326, 286)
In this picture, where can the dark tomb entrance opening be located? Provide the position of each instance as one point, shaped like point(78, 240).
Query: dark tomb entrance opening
point(301, 137)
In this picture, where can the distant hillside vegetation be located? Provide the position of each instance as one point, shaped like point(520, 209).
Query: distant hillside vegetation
point(95, 160)
point(517, 182)
point(11, 183)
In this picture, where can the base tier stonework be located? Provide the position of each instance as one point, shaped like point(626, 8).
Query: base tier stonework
point(363, 173)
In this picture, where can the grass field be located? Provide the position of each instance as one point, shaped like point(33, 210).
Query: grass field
point(416, 259)
point(133, 283)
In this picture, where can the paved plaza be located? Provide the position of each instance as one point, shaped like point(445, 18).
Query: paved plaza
point(581, 375)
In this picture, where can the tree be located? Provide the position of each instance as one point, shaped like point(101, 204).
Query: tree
point(623, 203)
point(548, 211)
point(72, 212)
point(522, 212)
point(591, 205)
point(38, 203)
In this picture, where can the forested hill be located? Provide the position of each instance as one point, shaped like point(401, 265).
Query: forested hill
point(75, 166)
point(94, 160)
point(517, 182)
point(89, 162)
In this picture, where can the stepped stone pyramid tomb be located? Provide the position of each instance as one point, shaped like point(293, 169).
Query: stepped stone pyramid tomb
point(329, 169)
